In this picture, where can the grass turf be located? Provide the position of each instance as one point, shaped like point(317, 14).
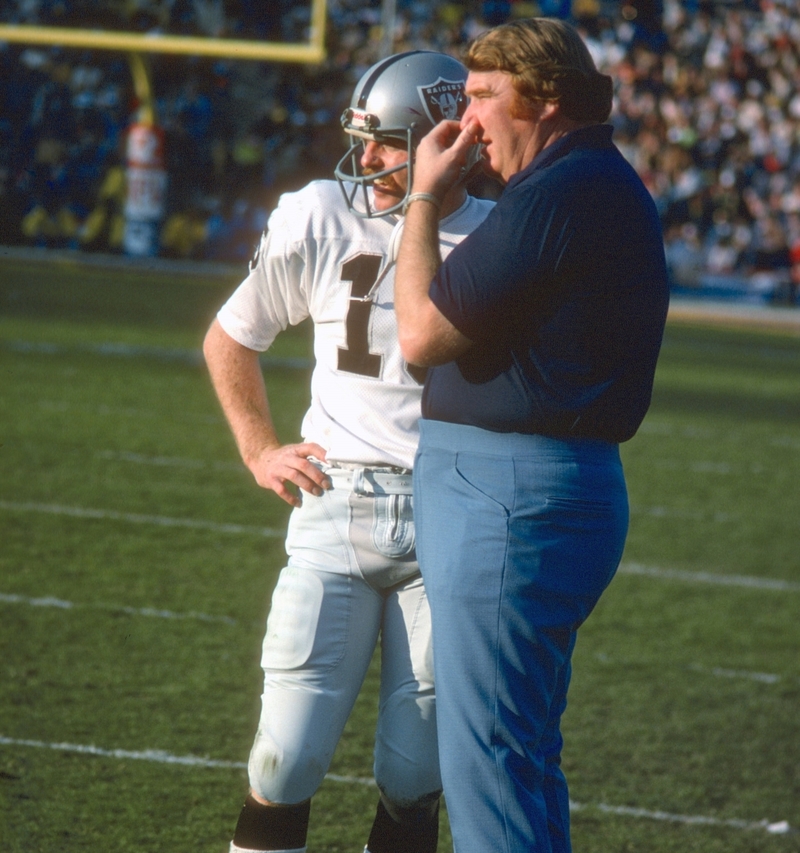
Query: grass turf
point(138, 556)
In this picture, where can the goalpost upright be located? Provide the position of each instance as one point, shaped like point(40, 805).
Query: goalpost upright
point(146, 178)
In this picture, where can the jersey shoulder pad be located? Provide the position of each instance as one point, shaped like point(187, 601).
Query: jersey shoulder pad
point(318, 210)
point(468, 217)
point(297, 206)
point(480, 208)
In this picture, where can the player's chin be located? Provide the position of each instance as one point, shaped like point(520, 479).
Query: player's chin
point(384, 199)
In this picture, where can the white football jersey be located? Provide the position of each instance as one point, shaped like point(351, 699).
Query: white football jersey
point(319, 260)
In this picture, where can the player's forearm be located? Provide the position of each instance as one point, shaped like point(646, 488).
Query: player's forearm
point(251, 424)
point(236, 376)
point(427, 337)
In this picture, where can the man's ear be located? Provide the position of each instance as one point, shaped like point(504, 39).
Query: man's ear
point(548, 109)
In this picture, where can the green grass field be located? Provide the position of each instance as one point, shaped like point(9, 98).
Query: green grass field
point(137, 559)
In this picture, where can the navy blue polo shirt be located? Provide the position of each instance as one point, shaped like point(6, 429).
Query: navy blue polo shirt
point(563, 291)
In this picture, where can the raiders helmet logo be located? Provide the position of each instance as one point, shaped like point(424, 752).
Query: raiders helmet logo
point(443, 99)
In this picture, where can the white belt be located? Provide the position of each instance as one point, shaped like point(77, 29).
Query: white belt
point(371, 481)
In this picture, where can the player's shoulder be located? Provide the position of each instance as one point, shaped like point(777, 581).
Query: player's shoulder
point(320, 210)
point(468, 216)
point(313, 197)
point(480, 207)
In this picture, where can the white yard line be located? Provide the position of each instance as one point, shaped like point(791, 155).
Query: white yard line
point(766, 584)
point(781, 827)
point(723, 672)
point(218, 527)
point(49, 601)
point(104, 410)
point(689, 514)
point(188, 356)
point(715, 671)
point(657, 427)
point(167, 461)
point(152, 612)
point(136, 518)
point(156, 755)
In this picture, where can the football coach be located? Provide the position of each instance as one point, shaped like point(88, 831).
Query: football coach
point(542, 330)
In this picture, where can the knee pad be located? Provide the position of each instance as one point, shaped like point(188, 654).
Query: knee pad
point(281, 775)
point(406, 779)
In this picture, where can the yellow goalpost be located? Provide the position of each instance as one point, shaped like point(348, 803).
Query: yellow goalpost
point(145, 177)
point(311, 52)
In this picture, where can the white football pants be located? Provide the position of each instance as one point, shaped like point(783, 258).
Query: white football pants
point(351, 576)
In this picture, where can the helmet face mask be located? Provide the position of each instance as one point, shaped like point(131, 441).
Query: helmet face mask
point(398, 100)
point(349, 171)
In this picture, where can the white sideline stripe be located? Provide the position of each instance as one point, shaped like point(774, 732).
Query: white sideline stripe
point(49, 601)
point(159, 756)
point(136, 518)
point(771, 584)
point(162, 757)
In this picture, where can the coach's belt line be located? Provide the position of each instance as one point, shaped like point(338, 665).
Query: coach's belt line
point(371, 481)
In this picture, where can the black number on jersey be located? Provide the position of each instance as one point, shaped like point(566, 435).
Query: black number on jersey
point(362, 273)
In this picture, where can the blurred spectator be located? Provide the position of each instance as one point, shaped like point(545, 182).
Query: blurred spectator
point(768, 258)
point(706, 109)
point(684, 251)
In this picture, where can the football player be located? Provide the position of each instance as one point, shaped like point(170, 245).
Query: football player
point(352, 574)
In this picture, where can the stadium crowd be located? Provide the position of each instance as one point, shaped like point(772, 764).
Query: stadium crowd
point(707, 108)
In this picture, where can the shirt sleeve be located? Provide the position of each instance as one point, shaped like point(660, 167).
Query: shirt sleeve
point(486, 280)
point(274, 294)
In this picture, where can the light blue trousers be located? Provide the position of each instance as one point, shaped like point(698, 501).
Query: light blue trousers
point(517, 537)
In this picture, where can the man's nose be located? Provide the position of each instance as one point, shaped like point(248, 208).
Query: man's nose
point(467, 117)
point(371, 155)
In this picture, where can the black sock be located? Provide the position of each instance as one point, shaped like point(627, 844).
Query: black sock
point(418, 831)
point(263, 827)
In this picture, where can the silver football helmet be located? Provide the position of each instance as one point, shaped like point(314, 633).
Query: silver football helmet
point(400, 99)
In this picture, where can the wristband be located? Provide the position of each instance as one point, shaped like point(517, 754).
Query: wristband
point(422, 197)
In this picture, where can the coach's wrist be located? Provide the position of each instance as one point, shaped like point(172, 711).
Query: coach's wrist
point(427, 198)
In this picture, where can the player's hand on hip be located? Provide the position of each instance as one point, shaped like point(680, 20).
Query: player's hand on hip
point(286, 469)
point(441, 155)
